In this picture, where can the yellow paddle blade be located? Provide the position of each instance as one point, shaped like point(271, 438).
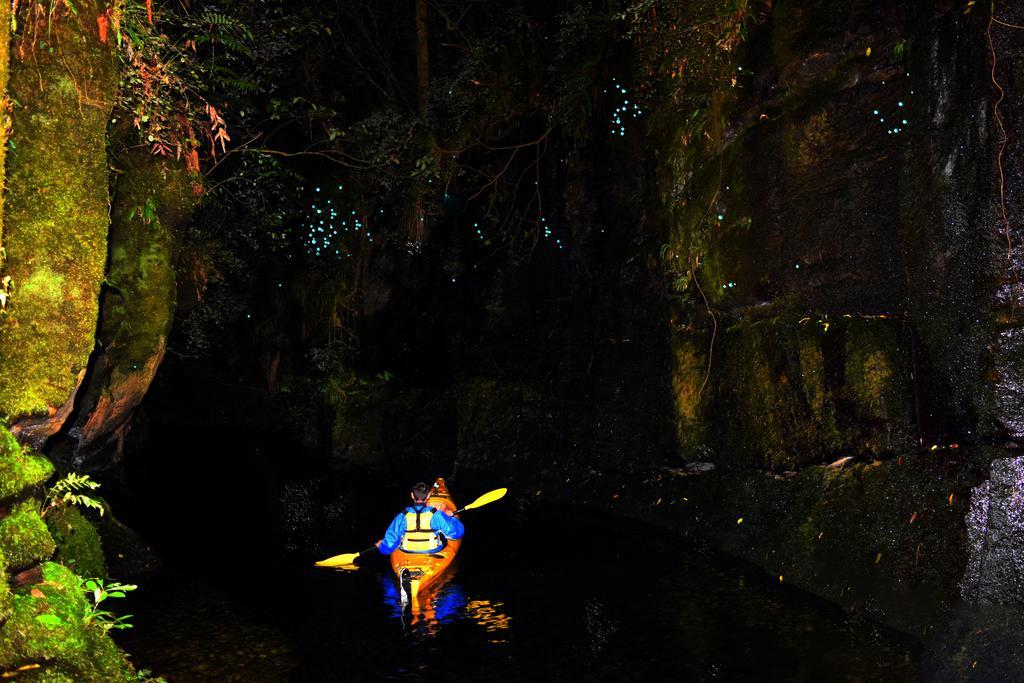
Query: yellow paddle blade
point(339, 560)
point(346, 568)
point(488, 497)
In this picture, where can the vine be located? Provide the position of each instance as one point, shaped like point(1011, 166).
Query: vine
point(1003, 141)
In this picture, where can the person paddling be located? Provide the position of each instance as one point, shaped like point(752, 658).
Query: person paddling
point(419, 528)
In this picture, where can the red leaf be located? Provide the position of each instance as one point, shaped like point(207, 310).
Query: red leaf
point(103, 23)
point(149, 10)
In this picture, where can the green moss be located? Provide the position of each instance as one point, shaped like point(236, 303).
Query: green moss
point(5, 50)
point(138, 303)
point(136, 315)
point(6, 599)
point(78, 543)
point(806, 141)
point(771, 387)
point(44, 285)
point(57, 209)
point(689, 369)
point(27, 639)
point(796, 393)
point(19, 469)
point(877, 373)
point(45, 676)
point(62, 643)
point(24, 538)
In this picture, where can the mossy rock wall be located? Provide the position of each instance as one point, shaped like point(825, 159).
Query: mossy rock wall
point(47, 630)
point(851, 288)
point(24, 538)
point(56, 216)
point(791, 214)
point(152, 202)
point(43, 616)
point(377, 426)
point(784, 393)
point(77, 543)
point(850, 173)
point(885, 539)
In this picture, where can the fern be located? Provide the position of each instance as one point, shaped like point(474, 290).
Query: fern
point(71, 491)
point(223, 21)
point(240, 85)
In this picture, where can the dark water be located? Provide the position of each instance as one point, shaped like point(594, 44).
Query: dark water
point(541, 591)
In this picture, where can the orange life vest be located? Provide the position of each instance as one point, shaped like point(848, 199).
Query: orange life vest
point(419, 537)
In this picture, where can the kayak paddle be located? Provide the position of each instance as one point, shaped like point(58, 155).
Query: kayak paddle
point(489, 497)
point(347, 560)
point(342, 560)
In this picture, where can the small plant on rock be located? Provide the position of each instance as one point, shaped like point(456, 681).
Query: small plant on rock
point(71, 491)
point(98, 591)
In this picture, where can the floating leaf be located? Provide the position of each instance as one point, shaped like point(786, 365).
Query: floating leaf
point(878, 558)
point(739, 521)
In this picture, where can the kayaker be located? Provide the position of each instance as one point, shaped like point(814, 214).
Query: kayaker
point(420, 528)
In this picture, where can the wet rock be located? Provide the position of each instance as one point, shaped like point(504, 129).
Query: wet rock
point(978, 643)
point(127, 555)
point(995, 537)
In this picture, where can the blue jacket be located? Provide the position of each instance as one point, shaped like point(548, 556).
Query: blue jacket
point(440, 521)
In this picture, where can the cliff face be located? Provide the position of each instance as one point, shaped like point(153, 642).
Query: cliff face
point(810, 266)
point(847, 219)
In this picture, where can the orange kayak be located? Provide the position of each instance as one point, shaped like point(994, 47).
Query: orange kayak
point(416, 572)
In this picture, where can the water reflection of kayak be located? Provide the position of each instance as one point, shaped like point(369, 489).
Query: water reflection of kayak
point(416, 572)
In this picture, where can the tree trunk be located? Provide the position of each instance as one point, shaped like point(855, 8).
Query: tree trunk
point(56, 214)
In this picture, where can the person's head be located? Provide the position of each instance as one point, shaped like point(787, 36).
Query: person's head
point(420, 492)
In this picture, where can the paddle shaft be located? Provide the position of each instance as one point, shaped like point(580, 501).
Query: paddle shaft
point(363, 552)
point(485, 499)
